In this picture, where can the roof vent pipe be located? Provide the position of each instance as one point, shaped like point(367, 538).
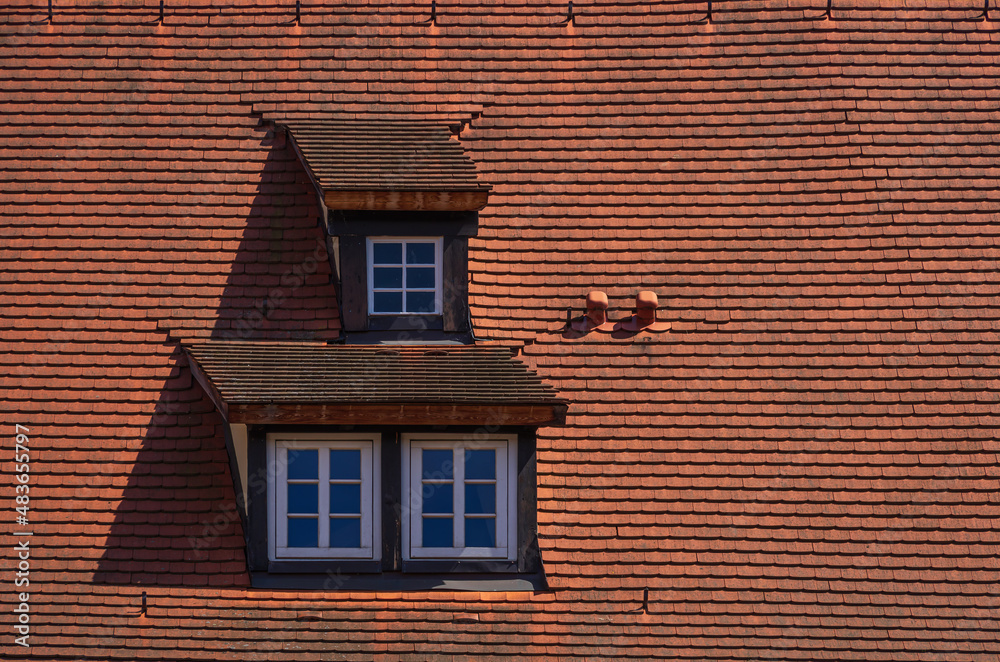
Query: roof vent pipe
point(646, 304)
point(597, 314)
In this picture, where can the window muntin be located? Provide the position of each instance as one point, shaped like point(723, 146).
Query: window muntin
point(459, 496)
point(404, 276)
point(324, 496)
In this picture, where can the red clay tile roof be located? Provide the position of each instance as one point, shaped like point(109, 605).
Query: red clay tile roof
point(803, 467)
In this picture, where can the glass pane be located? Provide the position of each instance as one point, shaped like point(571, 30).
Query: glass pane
point(418, 277)
point(480, 499)
point(420, 253)
point(388, 277)
point(388, 302)
point(303, 532)
point(438, 464)
point(438, 498)
point(303, 498)
point(345, 532)
point(480, 532)
point(302, 464)
point(345, 499)
point(345, 465)
point(438, 532)
point(420, 302)
point(480, 465)
point(387, 253)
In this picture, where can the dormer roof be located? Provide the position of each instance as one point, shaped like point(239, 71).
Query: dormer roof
point(388, 165)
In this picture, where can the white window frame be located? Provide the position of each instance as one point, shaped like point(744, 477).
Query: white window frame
point(438, 276)
point(278, 444)
point(506, 488)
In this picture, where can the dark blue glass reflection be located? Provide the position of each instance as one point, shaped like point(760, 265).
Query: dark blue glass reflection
point(438, 497)
point(480, 532)
point(388, 302)
point(438, 464)
point(303, 498)
point(345, 532)
point(418, 277)
point(388, 277)
point(420, 253)
point(420, 302)
point(345, 499)
point(438, 532)
point(303, 464)
point(345, 465)
point(480, 465)
point(387, 253)
point(303, 532)
point(480, 498)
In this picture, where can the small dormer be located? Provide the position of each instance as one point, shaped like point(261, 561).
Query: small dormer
point(399, 201)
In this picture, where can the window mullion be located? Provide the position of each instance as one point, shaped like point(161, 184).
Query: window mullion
point(324, 498)
point(416, 498)
point(367, 497)
point(506, 463)
point(281, 497)
point(404, 244)
point(459, 496)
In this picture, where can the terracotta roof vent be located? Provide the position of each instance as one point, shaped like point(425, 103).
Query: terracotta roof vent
point(597, 314)
point(644, 319)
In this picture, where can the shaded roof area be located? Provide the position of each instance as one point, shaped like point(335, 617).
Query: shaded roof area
point(803, 467)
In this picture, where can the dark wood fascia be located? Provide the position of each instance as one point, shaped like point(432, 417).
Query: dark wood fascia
point(411, 414)
point(396, 581)
point(455, 279)
point(392, 500)
point(405, 324)
point(407, 200)
point(367, 223)
point(452, 566)
point(528, 554)
point(257, 531)
point(353, 284)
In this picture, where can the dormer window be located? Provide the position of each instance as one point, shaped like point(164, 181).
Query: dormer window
point(404, 276)
point(399, 201)
point(370, 467)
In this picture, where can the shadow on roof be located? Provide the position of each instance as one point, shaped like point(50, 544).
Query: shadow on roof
point(177, 522)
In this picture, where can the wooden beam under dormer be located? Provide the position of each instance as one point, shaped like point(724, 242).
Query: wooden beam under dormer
point(411, 414)
point(385, 200)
